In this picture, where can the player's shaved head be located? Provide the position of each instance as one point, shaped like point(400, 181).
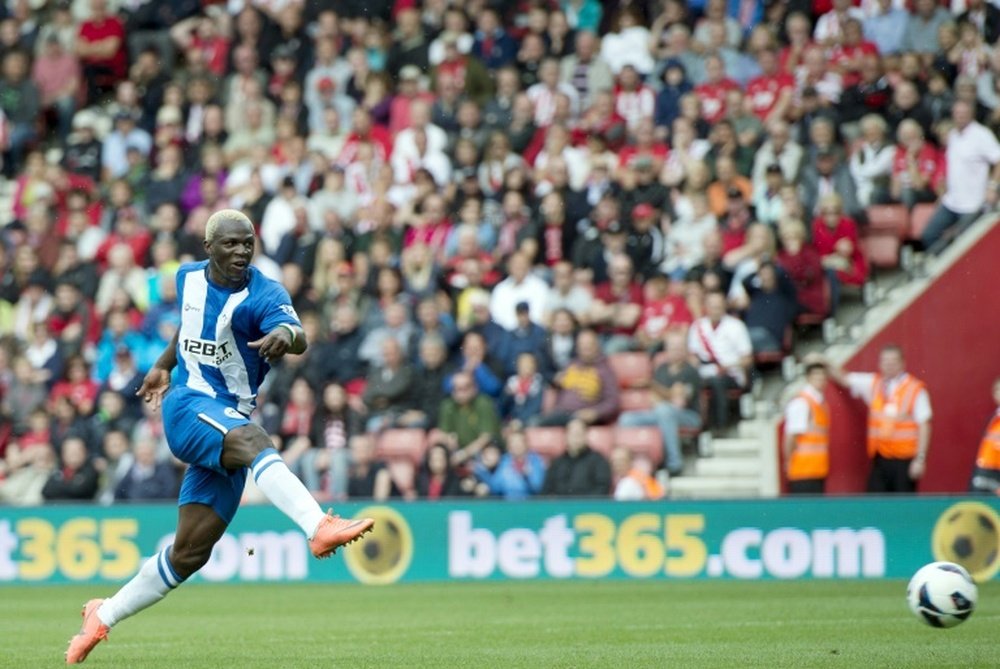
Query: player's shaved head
point(225, 218)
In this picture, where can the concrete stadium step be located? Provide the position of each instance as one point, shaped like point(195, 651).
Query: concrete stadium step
point(735, 447)
point(710, 487)
point(722, 466)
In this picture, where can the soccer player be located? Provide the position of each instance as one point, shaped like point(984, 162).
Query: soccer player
point(234, 323)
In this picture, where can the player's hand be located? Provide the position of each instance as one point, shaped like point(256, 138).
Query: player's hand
point(917, 467)
point(273, 345)
point(154, 386)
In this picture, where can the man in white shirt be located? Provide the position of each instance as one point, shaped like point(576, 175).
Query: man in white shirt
point(721, 344)
point(899, 421)
point(519, 286)
point(972, 175)
point(567, 294)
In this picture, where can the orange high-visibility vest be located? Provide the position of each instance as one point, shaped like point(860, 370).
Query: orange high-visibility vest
point(893, 432)
point(811, 453)
point(989, 447)
point(650, 485)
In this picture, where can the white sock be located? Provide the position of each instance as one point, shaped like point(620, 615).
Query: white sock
point(155, 579)
point(286, 491)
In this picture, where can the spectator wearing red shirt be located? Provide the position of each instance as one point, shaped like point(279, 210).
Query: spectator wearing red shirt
point(617, 305)
point(804, 267)
point(713, 92)
point(799, 30)
point(835, 237)
point(408, 92)
point(364, 131)
point(847, 56)
point(644, 146)
point(734, 224)
point(100, 45)
point(917, 167)
point(771, 93)
point(77, 386)
point(662, 311)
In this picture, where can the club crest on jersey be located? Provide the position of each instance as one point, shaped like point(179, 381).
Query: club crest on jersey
point(290, 310)
point(207, 352)
point(232, 413)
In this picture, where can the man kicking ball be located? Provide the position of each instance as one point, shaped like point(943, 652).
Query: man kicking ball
point(234, 322)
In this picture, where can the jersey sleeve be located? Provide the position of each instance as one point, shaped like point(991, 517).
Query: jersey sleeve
point(797, 416)
point(276, 309)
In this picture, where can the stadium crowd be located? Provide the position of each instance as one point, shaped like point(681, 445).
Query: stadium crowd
point(514, 231)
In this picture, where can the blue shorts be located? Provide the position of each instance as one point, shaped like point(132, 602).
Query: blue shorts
point(195, 426)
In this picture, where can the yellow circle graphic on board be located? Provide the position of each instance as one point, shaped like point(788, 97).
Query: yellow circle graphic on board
point(385, 554)
point(968, 533)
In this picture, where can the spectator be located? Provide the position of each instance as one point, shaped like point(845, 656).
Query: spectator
point(918, 167)
point(397, 327)
point(28, 463)
point(431, 377)
point(973, 174)
point(56, 74)
point(147, 479)
point(632, 478)
point(526, 337)
point(771, 308)
point(585, 70)
point(522, 394)
point(925, 21)
point(566, 294)
point(368, 477)
point(325, 466)
point(580, 471)
point(886, 27)
point(389, 388)
point(100, 45)
point(20, 106)
point(519, 474)
point(75, 478)
point(722, 346)
point(899, 421)
point(520, 286)
point(806, 441)
point(628, 43)
point(437, 478)
point(617, 306)
point(777, 149)
point(587, 388)
point(676, 395)
point(804, 266)
point(828, 175)
point(985, 478)
point(467, 419)
point(492, 45)
point(835, 237)
point(663, 310)
point(871, 163)
point(114, 464)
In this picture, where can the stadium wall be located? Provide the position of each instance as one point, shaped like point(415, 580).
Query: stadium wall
point(949, 334)
point(867, 538)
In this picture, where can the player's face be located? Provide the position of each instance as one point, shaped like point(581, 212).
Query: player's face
point(231, 251)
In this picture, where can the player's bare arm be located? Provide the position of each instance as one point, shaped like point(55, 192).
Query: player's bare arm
point(157, 380)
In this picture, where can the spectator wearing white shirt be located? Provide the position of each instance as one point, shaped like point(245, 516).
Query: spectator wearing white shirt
point(567, 294)
point(543, 94)
point(721, 343)
point(899, 421)
point(830, 27)
point(778, 149)
point(634, 101)
point(405, 144)
point(125, 135)
point(972, 175)
point(871, 163)
point(519, 286)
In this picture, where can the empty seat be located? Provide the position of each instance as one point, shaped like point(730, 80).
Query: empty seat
point(919, 218)
point(548, 442)
point(642, 441)
point(635, 400)
point(632, 369)
point(888, 219)
point(409, 444)
point(882, 251)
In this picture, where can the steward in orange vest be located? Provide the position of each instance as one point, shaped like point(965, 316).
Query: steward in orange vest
point(986, 475)
point(807, 435)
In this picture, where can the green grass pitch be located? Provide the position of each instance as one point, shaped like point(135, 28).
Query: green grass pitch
point(609, 624)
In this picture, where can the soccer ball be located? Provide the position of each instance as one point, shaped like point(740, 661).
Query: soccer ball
point(942, 594)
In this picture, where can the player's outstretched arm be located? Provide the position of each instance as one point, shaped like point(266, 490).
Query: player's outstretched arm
point(157, 380)
point(279, 341)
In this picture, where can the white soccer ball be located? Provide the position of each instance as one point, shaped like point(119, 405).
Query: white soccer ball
point(942, 594)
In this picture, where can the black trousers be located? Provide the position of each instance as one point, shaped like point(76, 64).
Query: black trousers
point(807, 487)
point(890, 475)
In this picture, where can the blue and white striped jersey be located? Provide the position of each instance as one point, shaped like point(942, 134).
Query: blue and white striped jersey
point(217, 323)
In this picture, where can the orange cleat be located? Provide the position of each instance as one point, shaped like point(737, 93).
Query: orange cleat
point(92, 633)
point(334, 532)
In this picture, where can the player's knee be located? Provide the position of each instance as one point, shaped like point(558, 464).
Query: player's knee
point(186, 560)
point(242, 445)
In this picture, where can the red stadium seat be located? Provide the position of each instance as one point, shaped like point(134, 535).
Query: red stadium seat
point(882, 251)
point(635, 400)
point(888, 219)
point(601, 438)
point(548, 442)
point(919, 218)
point(642, 441)
point(409, 444)
point(632, 369)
